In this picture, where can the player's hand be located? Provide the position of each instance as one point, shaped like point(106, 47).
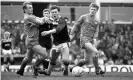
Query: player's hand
point(71, 37)
point(96, 42)
point(47, 20)
point(44, 33)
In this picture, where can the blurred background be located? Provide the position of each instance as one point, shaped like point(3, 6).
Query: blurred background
point(116, 27)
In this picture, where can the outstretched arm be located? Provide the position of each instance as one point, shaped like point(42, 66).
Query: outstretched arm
point(37, 20)
point(60, 26)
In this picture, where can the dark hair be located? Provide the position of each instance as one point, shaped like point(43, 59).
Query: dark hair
point(46, 10)
point(25, 4)
point(55, 7)
point(94, 5)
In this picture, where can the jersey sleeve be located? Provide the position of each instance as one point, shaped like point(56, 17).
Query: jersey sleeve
point(61, 25)
point(77, 25)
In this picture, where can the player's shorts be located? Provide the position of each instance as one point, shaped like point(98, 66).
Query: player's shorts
point(84, 40)
point(6, 52)
point(31, 42)
point(46, 42)
point(59, 47)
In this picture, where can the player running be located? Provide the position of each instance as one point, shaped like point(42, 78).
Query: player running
point(61, 38)
point(88, 25)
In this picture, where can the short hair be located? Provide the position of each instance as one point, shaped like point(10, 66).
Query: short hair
point(6, 32)
point(46, 10)
point(94, 5)
point(24, 5)
point(55, 7)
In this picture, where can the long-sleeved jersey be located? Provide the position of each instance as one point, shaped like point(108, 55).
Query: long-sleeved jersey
point(61, 35)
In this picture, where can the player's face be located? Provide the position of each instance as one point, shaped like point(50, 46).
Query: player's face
point(6, 36)
point(46, 14)
point(55, 13)
point(93, 10)
point(29, 9)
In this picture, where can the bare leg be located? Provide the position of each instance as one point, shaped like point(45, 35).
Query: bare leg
point(40, 50)
point(91, 50)
point(25, 61)
point(65, 58)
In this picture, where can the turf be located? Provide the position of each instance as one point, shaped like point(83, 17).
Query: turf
point(59, 76)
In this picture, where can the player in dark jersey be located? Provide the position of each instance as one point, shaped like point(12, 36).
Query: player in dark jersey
point(61, 39)
point(7, 50)
point(44, 41)
point(31, 24)
point(88, 25)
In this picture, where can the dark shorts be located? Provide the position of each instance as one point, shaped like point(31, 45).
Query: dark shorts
point(31, 42)
point(46, 42)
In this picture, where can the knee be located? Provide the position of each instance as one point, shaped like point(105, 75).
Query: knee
point(53, 57)
point(66, 62)
point(27, 59)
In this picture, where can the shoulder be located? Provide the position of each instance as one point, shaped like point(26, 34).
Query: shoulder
point(62, 19)
point(27, 17)
point(83, 16)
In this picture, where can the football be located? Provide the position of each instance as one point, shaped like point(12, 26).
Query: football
point(76, 71)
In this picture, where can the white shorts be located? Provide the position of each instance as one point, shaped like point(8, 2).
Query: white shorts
point(60, 47)
point(6, 52)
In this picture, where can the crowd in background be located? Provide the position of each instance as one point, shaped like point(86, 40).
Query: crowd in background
point(17, 34)
point(116, 42)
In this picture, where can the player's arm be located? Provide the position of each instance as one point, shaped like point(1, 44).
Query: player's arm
point(96, 33)
point(77, 25)
point(12, 47)
point(37, 20)
point(96, 36)
point(61, 25)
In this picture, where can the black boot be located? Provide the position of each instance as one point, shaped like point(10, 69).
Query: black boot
point(65, 72)
point(99, 71)
point(45, 72)
point(35, 71)
point(20, 72)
